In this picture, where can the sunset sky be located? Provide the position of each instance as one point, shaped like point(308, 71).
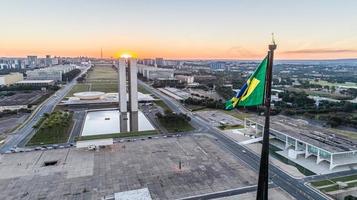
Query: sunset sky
point(180, 29)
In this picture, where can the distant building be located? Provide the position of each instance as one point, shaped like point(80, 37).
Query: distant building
point(159, 62)
point(204, 78)
point(185, 79)
point(32, 61)
point(54, 61)
point(36, 82)
point(12, 78)
point(153, 73)
point(49, 73)
point(165, 82)
point(218, 66)
point(147, 61)
point(48, 60)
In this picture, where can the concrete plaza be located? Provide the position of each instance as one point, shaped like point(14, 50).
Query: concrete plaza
point(153, 163)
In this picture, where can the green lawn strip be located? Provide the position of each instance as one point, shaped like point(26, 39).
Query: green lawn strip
point(336, 187)
point(346, 178)
point(143, 90)
point(331, 188)
point(53, 129)
point(176, 126)
point(105, 87)
point(102, 73)
point(322, 183)
point(80, 87)
point(234, 113)
point(95, 86)
point(117, 135)
point(349, 134)
point(227, 127)
point(162, 105)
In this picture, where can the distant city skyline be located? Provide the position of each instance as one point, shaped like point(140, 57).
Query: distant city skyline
point(183, 29)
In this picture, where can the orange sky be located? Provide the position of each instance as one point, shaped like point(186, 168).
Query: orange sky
point(239, 29)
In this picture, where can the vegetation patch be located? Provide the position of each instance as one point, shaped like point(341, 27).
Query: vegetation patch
point(227, 127)
point(173, 122)
point(321, 183)
point(163, 106)
point(52, 129)
point(102, 73)
point(331, 184)
point(143, 90)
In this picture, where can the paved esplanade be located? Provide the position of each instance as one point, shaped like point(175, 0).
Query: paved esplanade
point(22, 136)
point(294, 187)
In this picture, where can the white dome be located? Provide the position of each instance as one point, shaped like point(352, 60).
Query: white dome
point(88, 95)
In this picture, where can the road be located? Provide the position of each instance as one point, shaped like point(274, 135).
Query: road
point(294, 187)
point(225, 193)
point(24, 134)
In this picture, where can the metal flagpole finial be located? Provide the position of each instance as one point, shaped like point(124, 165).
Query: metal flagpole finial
point(272, 47)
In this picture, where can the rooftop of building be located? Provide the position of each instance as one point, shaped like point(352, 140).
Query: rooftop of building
point(34, 81)
point(12, 73)
point(312, 134)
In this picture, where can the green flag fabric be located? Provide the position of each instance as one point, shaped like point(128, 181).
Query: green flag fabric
point(253, 91)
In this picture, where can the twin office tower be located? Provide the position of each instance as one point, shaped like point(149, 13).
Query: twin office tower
point(127, 68)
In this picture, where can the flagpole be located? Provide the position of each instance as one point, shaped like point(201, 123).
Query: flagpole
point(262, 192)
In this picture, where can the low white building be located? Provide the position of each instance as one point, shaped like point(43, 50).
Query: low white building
point(154, 73)
point(11, 78)
point(50, 73)
point(185, 79)
point(36, 82)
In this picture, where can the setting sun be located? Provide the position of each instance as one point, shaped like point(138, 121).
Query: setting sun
point(125, 55)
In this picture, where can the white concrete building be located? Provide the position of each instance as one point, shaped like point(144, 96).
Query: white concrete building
point(36, 82)
point(300, 138)
point(185, 79)
point(131, 64)
point(154, 73)
point(11, 78)
point(49, 73)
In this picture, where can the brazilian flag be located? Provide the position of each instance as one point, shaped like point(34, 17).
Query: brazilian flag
point(253, 91)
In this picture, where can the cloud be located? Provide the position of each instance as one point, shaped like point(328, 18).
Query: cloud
point(241, 52)
point(320, 51)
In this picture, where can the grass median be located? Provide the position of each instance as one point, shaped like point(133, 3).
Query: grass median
point(53, 128)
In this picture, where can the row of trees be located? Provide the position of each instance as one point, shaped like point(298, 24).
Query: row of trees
point(333, 113)
point(70, 75)
point(207, 102)
point(6, 113)
point(170, 117)
point(27, 87)
point(225, 92)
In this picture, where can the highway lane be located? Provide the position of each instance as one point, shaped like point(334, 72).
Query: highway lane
point(225, 193)
point(293, 186)
point(23, 135)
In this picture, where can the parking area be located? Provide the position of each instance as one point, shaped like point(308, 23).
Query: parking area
point(21, 98)
point(171, 168)
point(217, 118)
